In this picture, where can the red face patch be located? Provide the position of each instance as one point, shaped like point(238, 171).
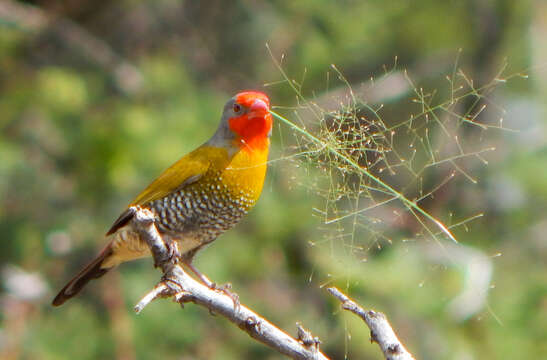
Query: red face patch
point(246, 98)
point(254, 125)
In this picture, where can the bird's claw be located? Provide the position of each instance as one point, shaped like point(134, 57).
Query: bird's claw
point(227, 290)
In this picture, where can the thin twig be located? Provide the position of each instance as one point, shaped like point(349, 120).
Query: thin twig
point(183, 288)
point(381, 331)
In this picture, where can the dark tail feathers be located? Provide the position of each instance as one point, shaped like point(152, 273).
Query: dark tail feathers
point(90, 272)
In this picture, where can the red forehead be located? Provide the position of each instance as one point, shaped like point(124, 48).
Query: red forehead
point(246, 98)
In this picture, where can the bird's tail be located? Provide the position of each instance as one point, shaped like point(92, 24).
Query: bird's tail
point(92, 271)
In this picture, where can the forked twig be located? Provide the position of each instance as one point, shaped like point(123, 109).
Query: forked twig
point(176, 283)
point(381, 331)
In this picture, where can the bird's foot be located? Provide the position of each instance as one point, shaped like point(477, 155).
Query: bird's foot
point(227, 290)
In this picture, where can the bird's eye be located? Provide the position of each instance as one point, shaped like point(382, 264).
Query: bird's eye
point(237, 108)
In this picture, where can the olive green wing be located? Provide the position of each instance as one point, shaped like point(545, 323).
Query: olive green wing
point(187, 170)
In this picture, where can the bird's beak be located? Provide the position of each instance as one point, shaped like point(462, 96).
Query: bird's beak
point(258, 109)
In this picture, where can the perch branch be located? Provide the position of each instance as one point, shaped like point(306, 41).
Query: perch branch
point(380, 329)
point(176, 283)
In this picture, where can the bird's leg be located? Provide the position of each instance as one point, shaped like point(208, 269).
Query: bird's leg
point(204, 279)
point(226, 288)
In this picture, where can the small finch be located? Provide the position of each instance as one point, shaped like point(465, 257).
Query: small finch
point(199, 197)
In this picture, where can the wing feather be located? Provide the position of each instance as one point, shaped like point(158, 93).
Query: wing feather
point(187, 170)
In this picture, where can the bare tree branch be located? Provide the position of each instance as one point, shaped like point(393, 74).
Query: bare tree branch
point(380, 329)
point(183, 288)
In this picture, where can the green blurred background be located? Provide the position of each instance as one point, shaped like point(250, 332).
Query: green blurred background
point(97, 97)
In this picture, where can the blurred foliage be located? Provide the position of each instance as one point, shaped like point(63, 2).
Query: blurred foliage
point(97, 98)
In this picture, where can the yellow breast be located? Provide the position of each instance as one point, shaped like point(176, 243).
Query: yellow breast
point(245, 173)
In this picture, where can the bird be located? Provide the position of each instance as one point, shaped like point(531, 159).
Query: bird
point(199, 197)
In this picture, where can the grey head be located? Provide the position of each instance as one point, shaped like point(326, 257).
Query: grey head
point(239, 112)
